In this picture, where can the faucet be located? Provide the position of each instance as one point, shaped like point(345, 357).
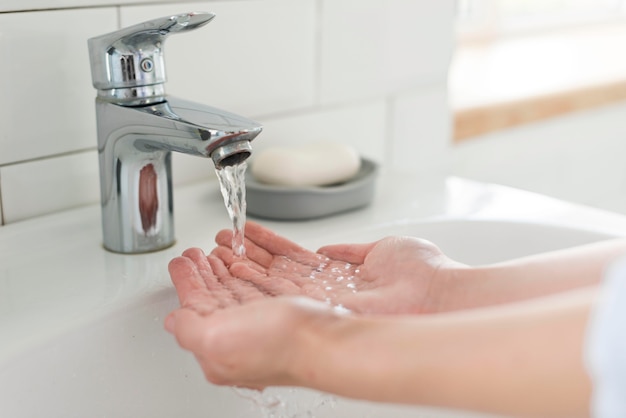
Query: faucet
point(138, 126)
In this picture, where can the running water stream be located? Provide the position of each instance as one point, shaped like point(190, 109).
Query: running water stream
point(233, 187)
point(276, 405)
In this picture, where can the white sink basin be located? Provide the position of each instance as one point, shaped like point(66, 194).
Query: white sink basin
point(476, 242)
point(125, 365)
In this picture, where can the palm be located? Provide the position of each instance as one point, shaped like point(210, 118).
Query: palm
point(389, 276)
point(219, 318)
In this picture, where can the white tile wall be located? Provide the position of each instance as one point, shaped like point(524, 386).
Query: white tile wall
point(359, 72)
point(48, 185)
point(377, 47)
point(361, 126)
point(46, 100)
point(21, 5)
point(255, 57)
point(419, 119)
point(1, 211)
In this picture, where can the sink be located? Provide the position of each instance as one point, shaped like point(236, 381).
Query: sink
point(123, 364)
point(475, 242)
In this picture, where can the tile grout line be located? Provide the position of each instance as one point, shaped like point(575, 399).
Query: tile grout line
point(390, 107)
point(118, 16)
point(1, 207)
point(47, 157)
point(319, 16)
point(97, 6)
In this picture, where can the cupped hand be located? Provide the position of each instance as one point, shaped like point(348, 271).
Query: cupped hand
point(238, 336)
point(395, 275)
point(241, 330)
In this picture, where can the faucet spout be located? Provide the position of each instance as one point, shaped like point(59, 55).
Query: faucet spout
point(182, 126)
point(134, 147)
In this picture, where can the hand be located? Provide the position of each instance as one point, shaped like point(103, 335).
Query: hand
point(256, 342)
point(237, 339)
point(395, 275)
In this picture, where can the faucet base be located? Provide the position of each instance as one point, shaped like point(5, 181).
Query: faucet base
point(153, 250)
point(137, 202)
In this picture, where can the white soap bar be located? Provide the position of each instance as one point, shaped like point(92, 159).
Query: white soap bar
point(318, 163)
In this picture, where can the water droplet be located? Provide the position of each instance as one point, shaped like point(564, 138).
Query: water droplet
point(341, 309)
point(287, 403)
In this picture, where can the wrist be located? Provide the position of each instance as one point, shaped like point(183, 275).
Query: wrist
point(452, 289)
point(362, 357)
point(318, 349)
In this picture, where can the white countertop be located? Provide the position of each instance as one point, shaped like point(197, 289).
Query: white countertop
point(55, 275)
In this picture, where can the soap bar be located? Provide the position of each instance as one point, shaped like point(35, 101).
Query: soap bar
point(319, 163)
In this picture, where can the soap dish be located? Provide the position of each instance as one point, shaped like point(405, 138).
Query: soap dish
point(291, 203)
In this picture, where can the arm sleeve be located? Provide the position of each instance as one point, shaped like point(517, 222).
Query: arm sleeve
point(605, 349)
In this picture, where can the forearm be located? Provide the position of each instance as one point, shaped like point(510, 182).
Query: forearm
point(522, 360)
point(528, 277)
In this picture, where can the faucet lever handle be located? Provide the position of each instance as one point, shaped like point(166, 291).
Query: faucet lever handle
point(133, 56)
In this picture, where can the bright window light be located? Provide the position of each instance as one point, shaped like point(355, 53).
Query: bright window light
point(495, 18)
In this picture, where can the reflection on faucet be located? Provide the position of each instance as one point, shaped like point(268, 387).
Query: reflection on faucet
point(148, 198)
point(139, 126)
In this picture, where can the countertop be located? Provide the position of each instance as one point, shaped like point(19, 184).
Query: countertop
point(55, 275)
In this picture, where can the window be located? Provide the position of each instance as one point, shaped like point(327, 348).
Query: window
point(521, 61)
point(487, 19)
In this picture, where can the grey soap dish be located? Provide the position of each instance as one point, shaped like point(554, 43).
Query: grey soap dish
point(291, 203)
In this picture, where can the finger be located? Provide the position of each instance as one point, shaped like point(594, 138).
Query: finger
point(208, 276)
point(243, 271)
point(241, 289)
point(218, 266)
point(224, 237)
point(190, 286)
point(276, 244)
point(254, 252)
point(268, 285)
point(185, 277)
point(226, 255)
point(199, 259)
point(214, 273)
point(216, 278)
point(170, 323)
point(350, 253)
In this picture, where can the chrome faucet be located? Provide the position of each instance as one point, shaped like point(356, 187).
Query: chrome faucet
point(139, 126)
